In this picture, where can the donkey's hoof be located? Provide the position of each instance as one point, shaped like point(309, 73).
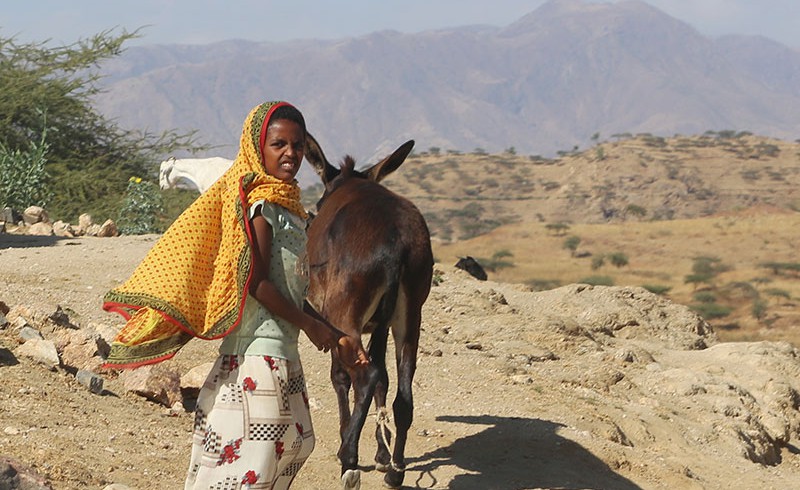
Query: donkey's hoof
point(394, 478)
point(382, 467)
point(351, 480)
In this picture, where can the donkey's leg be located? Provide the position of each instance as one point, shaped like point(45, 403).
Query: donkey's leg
point(364, 381)
point(377, 350)
point(341, 386)
point(407, 342)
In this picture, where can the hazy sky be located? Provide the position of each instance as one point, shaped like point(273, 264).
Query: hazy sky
point(206, 21)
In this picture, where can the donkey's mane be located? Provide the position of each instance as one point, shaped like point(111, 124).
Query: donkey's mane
point(347, 167)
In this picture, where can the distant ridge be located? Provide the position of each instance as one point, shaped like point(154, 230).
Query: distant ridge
point(563, 73)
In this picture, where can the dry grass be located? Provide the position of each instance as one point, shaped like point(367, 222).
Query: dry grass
point(662, 253)
point(661, 202)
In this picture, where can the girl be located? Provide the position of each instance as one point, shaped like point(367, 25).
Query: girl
point(231, 266)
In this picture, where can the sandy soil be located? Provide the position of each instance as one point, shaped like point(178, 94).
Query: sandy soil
point(509, 393)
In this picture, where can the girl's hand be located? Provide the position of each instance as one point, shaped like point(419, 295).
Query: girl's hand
point(321, 335)
point(351, 352)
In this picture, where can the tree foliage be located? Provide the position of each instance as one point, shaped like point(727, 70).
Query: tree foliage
point(90, 159)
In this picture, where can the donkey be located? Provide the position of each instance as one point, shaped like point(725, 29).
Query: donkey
point(370, 269)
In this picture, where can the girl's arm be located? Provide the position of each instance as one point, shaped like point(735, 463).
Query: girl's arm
point(321, 334)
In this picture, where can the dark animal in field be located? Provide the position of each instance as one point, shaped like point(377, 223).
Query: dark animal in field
point(472, 267)
point(370, 270)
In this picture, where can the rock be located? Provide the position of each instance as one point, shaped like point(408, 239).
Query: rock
point(521, 379)
point(35, 214)
point(41, 351)
point(104, 336)
point(108, 229)
point(157, 383)
point(16, 476)
point(192, 382)
point(472, 266)
point(80, 349)
point(90, 380)
point(18, 323)
point(27, 333)
point(61, 318)
point(118, 486)
point(84, 222)
point(195, 377)
point(40, 229)
point(7, 357)
point(93, 229)
point(63, 229)
point(8, 215)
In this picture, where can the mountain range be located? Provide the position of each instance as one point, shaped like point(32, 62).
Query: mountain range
point(561, 77)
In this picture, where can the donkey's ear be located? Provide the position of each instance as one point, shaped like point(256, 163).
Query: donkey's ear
point(382, 169)
point(315, 156)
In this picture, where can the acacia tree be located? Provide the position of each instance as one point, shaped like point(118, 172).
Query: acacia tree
point(89, 159)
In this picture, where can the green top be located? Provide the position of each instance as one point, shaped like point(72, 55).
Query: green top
point(261, 333)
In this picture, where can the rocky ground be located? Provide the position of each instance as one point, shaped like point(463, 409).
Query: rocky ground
point(573, 388)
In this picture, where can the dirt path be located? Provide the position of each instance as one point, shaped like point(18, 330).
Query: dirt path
point(514, 390)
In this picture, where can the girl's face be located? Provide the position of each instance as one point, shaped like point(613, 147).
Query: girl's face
point(283, 149)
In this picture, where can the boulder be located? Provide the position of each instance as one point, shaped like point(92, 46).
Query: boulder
point(40, 350)
point(40, 229)
point(157, 383)
point(35, 214)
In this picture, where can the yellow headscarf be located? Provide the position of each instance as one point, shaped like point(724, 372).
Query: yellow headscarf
point(194, 280)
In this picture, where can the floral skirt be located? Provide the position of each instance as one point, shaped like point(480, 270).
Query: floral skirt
point(252, 426)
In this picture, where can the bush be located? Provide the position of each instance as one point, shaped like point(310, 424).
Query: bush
point(759, 309)
point(705, 297)
point(659, 289)
point(88, 158)
point(559, 228)
point(543, 284)
point(710, 311)
point(572, 243)
point(618, 259)
point(23, 178)
point(598, 281)
point(635, 210)
point(497, 261)
point(141, 208)
point(598, 261)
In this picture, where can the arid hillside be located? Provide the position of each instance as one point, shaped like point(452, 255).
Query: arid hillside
point(638, 178)
point(709, 221)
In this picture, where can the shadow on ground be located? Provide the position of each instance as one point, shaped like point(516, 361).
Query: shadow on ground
point(515, 453)
point(22, 241)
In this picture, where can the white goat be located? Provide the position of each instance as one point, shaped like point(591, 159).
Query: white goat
point(191, 173)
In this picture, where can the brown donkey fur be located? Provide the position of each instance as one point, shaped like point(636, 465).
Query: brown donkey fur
point(370, 268)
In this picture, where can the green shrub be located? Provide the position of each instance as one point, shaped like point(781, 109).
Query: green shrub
point(559, 228)
point(635, 210)
point(572, 243)
point(543, 284)
point(759, 309)
point(497, 261)
point(618, 259)
point(141, 209)
point(659, 289)
point(710, 311)
point(598, 281)
point(705, 297)
point(23, 177)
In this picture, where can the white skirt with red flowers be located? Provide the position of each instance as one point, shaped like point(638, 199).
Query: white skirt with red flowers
point(252, 426)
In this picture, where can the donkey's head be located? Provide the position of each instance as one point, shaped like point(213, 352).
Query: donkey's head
point(333, 177)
